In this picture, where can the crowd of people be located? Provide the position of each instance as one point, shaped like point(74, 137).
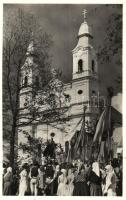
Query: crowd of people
point(65, 179)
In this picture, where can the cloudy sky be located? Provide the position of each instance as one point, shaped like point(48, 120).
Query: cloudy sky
point(63, 22)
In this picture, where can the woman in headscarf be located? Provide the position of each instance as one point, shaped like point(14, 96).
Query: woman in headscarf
point(80, 183)
point(110, 181)
point(23, 184)
point(57, 173)
point(118, 171)
point(7, 182)
point(70, 179)
point(41, 180)
point(62, 183)
point(34, 175)
point(95, 180)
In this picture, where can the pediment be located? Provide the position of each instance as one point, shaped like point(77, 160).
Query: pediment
point(81, 48)
point(77, 48)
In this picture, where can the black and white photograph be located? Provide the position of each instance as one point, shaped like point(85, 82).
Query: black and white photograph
point(62, 99)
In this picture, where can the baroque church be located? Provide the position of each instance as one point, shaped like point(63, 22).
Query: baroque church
point(83, 91)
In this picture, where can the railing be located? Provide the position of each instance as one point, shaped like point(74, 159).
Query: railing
point(85, 73)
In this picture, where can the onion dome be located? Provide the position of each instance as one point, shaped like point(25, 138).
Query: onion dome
point(31, 50)
point(85, 29)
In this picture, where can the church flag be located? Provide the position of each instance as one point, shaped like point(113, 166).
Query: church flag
point(69, 159)
point(80, 139)
point(102, 135)
point(71, 144)
point(109, 119)
point(112, 119)
point(116, 118)
point(101, 125)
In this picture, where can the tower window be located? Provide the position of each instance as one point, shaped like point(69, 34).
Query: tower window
point(93, 66)
point(80, 65)
point(25, 81)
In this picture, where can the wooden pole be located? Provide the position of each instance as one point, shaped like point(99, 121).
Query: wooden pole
point(110, 95)
point(84, 136)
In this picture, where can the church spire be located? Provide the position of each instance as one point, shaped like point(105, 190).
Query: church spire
point(85, 29)
point(84, 57)
point(31, 47)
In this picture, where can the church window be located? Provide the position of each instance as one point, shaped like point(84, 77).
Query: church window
point(52, 134)
point(25, 104)
point(93, 92)
point(67, 97)
point(93, 66)
point(25, 81)
point(80, 91)
point(80, 66)
point(77, 133)
point(94, 98)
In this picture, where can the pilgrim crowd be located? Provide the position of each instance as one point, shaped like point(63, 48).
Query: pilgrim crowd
point(65, 179)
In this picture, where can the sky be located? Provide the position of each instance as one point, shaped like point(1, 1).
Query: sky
point(63, 22)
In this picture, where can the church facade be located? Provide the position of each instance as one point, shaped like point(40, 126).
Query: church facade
point(83, 91)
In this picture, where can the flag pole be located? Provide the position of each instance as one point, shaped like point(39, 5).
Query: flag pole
point(110, 95)
point(84, 136)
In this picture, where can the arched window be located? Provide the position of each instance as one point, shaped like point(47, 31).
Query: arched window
point(93, 66)
point(93, 92)
point(80, 65)
point(25, 81)
point(94, 99)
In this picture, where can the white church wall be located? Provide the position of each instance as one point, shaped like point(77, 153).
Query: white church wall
point(84, 41)
point(84, 87)
point(63, 132)
point(44, 131)
point(80, 55)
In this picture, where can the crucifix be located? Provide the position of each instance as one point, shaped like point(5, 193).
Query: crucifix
point(85, 13)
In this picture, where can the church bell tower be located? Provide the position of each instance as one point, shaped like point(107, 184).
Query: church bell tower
point(84, 56)
point(30, 79)
point(85, 79)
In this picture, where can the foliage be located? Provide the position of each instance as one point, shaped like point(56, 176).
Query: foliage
point(48, 105)
point(35, 147)
point(16, 36)
point(32, 144)
point(17, 30)
point(110, 53)
point(22, 34)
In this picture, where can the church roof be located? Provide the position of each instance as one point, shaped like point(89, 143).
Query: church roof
point(30, 49)
point(84, 30)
